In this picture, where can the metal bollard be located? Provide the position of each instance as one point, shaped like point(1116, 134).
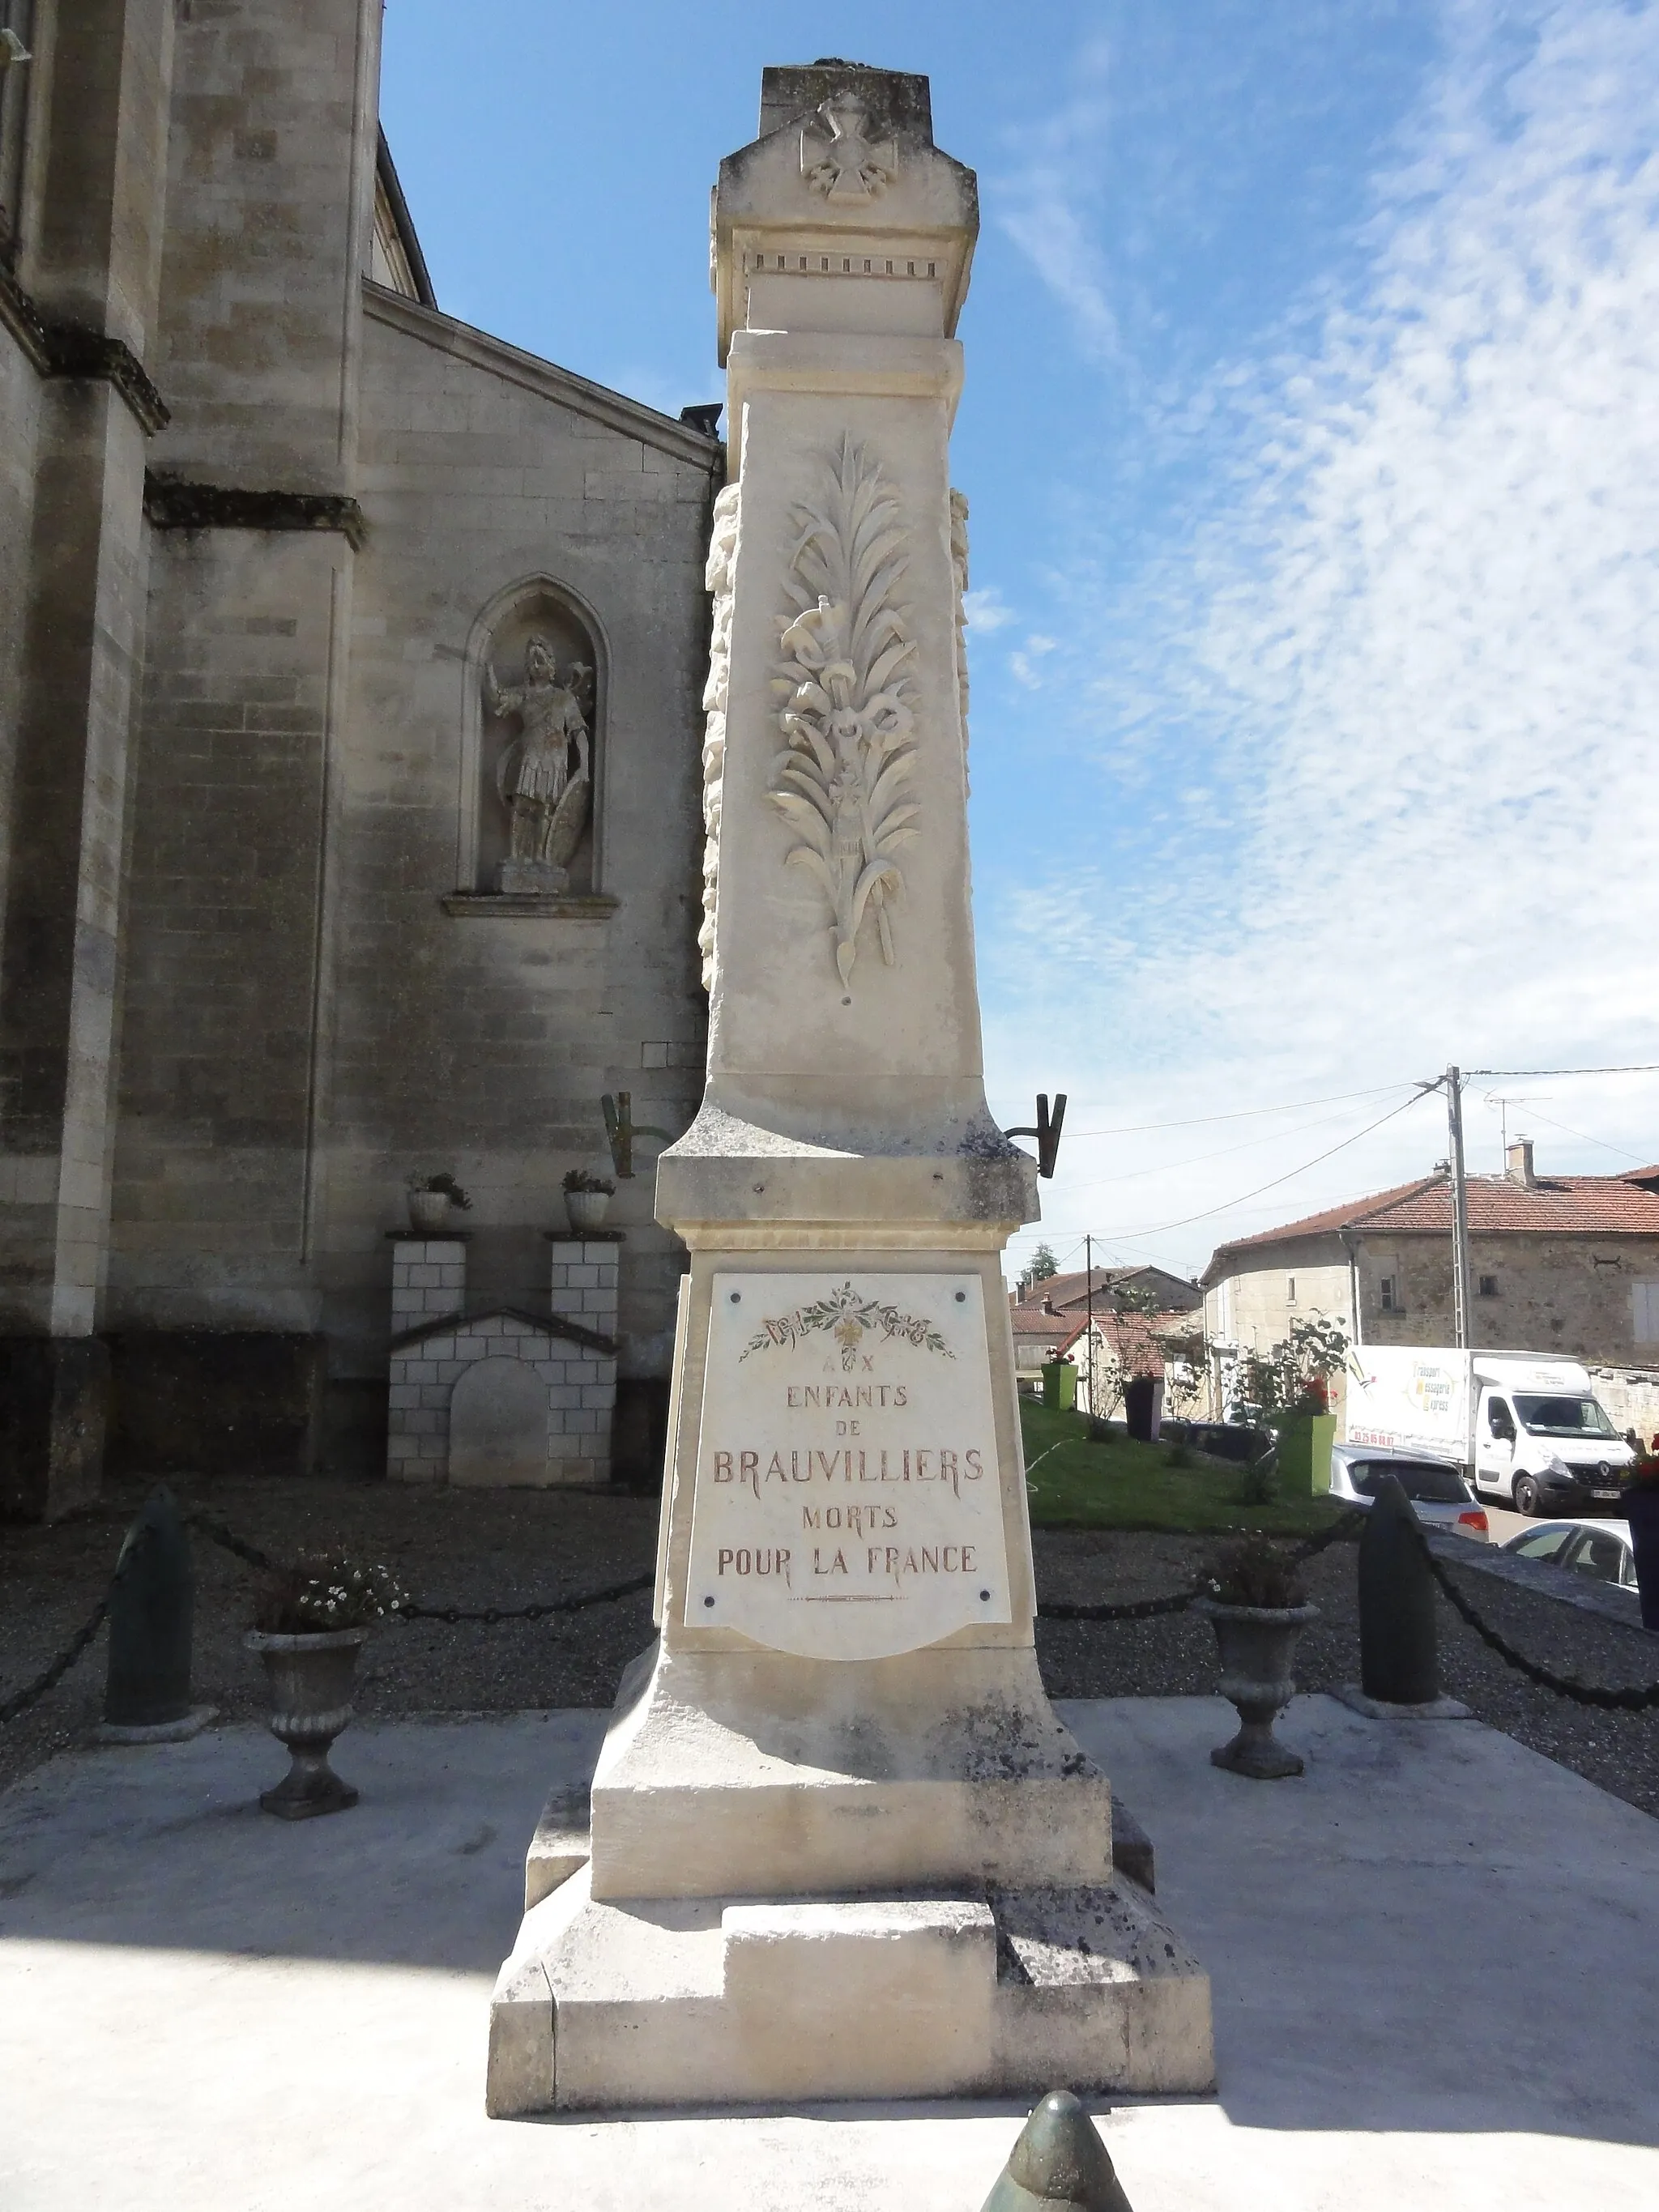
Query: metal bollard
point(1399, 1641)
point(1059, 2162)
point(151, 1617)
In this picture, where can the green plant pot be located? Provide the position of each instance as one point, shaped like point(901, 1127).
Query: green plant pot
point(1305, 1453)
point(1060, 1386)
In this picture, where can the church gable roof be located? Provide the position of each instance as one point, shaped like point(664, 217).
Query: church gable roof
point(629, 419)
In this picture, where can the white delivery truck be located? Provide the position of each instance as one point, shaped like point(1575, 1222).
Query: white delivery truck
point(1525, 1427)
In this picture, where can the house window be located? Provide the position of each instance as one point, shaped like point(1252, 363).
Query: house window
point(1489, 1287)
point(1645, 1312)
point(1289, 1290)
point(1388, 1287)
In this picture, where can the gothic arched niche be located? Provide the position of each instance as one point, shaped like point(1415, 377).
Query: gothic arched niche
point(535, 776)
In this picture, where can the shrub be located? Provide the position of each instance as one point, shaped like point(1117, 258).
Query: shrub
point(578, 1179)
point(446, 1185)
point(1255, 1572)
point(330, 1592)
point(1259, 1483)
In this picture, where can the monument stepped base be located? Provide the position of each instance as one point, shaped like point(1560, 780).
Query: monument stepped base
point(1019, 1959)
point(741, 2000)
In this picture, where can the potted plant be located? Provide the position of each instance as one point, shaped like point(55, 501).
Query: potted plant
point(1639, 1498)
point(585, 1198)
point(1258, 1604)
point(310, 1625)
point(430, 1198)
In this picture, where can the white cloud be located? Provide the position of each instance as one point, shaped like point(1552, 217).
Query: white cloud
point(1024, 663)
point(1045, 205)
point(1412, 652)
point(987, 609)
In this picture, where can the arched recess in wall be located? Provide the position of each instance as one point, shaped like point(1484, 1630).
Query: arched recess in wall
point(533, 726)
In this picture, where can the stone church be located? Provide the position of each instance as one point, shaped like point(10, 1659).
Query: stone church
point(351, 666)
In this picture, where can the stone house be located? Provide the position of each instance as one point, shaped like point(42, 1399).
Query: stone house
point(1070, 1293)
point(351, 779)
point(1557, 1263)
point(1049, 1322)
point(1166, 1347)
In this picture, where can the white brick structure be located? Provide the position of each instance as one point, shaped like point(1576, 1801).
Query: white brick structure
point(572, 1353)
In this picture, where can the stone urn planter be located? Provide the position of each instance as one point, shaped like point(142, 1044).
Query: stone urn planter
point(311, 1677)
point(428, 1210)
point(1258, 1650)
point(586, 1209)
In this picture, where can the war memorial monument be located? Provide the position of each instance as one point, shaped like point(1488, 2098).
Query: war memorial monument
point(839, 1844)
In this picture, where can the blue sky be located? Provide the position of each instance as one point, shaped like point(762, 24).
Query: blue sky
point(1312, 441)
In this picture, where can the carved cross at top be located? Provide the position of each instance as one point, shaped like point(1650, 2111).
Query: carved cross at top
point(838, 160)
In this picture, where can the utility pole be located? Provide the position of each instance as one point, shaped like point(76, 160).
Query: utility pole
point(1088, 1330)
point(1460, 1302)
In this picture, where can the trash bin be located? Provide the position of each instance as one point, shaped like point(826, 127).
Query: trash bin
point(1143, 1406)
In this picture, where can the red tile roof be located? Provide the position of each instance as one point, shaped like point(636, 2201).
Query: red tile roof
point(1032, 1320)
point(1579, 1206)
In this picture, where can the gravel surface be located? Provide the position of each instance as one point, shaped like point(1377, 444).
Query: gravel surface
point(511, 1548)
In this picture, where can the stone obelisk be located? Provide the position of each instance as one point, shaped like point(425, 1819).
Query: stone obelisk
point(840, 1844)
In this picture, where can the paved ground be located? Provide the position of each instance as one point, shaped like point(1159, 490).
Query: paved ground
point(1430, 1959)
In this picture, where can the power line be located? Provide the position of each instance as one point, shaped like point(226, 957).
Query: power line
point(1158, 1229)
point(1509, 1074)
point(1583, 1136)
point(1244, 1113)
point(1223, 1151)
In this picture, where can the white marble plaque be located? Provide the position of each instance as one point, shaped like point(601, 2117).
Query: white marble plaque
point(847, 1503)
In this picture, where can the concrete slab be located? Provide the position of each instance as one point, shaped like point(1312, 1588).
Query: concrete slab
point(1430, 1960)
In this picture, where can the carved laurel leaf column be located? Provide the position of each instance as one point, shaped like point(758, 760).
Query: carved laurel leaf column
point(839, 1844)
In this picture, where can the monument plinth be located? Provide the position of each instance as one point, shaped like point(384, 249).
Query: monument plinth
point(839, 1844)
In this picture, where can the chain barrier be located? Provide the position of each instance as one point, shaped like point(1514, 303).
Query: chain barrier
point(1644, 1698)
point(31, 1694)
point(1345, 1530)
point(194, 1517)
point(1632, 1701)
point(1145, 1608)
point(489, 1614)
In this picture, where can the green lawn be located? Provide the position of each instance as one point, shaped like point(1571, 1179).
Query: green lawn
point(1074, 1484)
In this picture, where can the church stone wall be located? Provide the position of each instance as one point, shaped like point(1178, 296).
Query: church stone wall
point(20, 415)
point(256, 968)
point(269, 220)
point(466, 1036)
point(225, 977)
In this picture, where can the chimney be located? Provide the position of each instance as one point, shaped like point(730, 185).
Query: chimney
point(1518, 1164)
point(1047, 1302)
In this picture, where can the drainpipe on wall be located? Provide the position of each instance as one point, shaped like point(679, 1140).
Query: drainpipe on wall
point(1351, 1247)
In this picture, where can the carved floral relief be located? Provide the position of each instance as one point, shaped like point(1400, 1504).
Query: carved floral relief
point(722, 558)
point(844, 781)
point(959, 574)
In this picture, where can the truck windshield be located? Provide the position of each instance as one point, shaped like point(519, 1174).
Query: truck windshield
point(1564, 1417)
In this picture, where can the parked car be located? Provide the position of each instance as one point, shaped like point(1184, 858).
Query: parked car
point(1600, 1549)
point(1436, 1487)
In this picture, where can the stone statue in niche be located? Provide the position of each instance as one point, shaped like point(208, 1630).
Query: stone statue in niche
point(544, 774)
